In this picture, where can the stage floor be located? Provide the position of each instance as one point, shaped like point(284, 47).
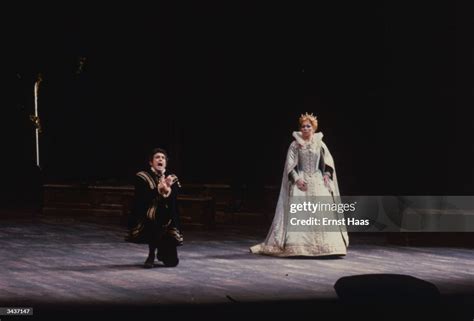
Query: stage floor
point(56, 263)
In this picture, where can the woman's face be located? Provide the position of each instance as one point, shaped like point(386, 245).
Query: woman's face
point(307, 129)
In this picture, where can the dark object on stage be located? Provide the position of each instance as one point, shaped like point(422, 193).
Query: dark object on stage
point(385, 288)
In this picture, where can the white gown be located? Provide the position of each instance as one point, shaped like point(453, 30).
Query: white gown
point(318, 240)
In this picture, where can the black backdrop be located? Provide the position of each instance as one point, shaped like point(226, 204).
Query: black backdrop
point(221, 87)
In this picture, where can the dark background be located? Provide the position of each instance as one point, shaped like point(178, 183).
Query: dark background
point(222, 86)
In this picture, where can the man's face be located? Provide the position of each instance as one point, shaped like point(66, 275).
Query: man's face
point(158, 163)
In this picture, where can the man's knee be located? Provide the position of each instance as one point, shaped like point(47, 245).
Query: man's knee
point(171, 261)
point(169, 254)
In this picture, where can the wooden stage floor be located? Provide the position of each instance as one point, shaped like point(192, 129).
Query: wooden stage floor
point(64, 265)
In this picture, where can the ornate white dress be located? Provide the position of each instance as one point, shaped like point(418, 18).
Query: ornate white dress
point(305, 160)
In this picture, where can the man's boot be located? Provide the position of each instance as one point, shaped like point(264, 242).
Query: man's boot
point(150, 259)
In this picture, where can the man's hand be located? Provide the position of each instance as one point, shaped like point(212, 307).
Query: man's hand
point(163, 188)
point(170, 180)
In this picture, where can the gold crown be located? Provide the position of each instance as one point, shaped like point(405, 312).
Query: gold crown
point(310, 116)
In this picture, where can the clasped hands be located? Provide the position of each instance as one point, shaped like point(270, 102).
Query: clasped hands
point(303, 186)
point(165, 183)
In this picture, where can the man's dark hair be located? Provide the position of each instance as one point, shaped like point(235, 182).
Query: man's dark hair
point(157, 150)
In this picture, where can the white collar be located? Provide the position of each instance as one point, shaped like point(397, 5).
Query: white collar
point(154, 171)
point(317, 138)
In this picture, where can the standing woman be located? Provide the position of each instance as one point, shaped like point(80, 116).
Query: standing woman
point(309, 172)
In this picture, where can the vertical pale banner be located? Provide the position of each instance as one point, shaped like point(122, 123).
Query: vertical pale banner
point(36, 119)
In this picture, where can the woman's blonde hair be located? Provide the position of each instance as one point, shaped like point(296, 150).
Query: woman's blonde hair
point(311, 118)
